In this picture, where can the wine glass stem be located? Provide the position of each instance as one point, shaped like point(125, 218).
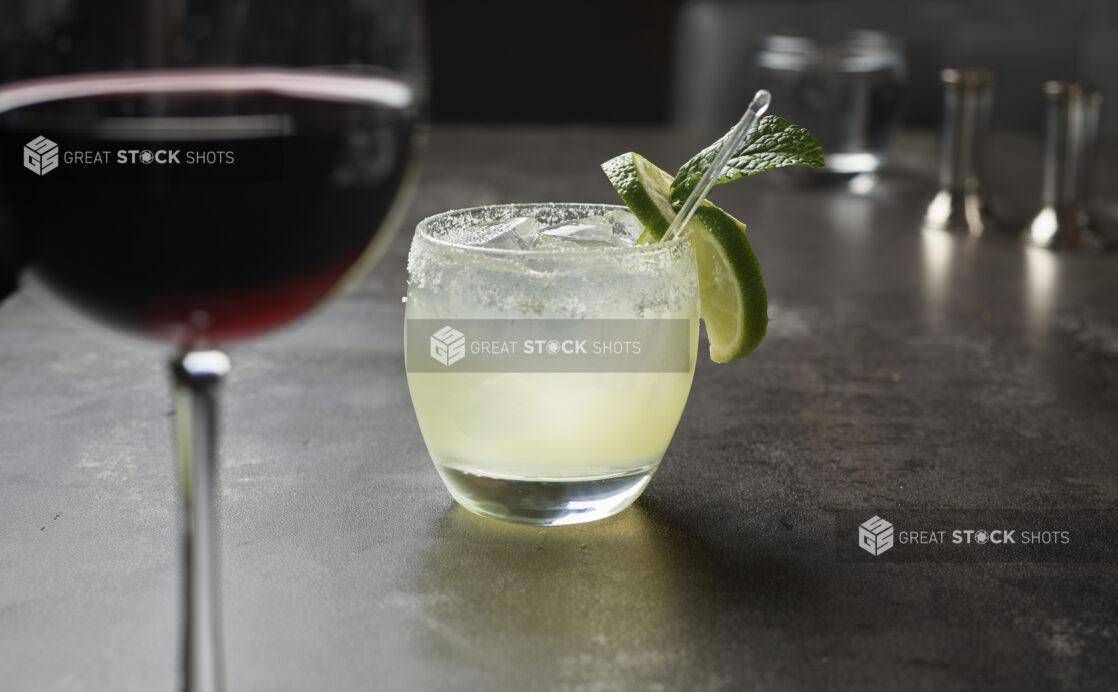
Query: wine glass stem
point(198, 376)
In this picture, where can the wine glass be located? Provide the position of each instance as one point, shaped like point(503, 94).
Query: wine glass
point(200, 171)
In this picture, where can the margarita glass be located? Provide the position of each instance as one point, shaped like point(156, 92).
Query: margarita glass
point(549, 357)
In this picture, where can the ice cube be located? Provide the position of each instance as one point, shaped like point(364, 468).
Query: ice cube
point(518, 233)
point(588, 228)
point(625, 225)
point(616, 228)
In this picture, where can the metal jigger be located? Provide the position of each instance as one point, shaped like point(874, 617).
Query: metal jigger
point(968, 103)
point(1071, 132)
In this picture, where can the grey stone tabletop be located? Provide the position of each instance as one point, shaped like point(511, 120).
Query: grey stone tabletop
point(902, 371)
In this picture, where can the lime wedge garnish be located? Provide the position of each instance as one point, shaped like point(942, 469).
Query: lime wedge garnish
point(645, 189)
point(731, 290)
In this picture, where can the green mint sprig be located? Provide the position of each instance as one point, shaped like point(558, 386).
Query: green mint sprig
point(772, 143)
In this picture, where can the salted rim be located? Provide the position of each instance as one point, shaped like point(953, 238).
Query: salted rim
point(648, 248)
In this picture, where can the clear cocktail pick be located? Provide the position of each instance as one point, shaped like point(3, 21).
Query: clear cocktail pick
point(756, 108)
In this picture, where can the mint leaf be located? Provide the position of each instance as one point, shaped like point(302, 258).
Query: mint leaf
point(773, 142)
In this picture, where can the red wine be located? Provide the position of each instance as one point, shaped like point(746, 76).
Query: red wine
point(198, 206)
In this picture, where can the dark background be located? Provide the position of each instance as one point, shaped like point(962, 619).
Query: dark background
point(679, 61)
point(550, 61)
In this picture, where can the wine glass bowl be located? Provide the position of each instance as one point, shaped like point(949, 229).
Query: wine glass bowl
point(200, 207)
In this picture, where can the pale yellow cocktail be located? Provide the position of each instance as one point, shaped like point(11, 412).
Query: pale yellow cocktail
point(549, 358)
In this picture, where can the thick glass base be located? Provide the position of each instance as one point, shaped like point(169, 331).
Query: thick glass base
point(544, 501)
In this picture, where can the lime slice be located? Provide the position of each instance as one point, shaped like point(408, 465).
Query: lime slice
point(645, 189)
point(731, 290)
